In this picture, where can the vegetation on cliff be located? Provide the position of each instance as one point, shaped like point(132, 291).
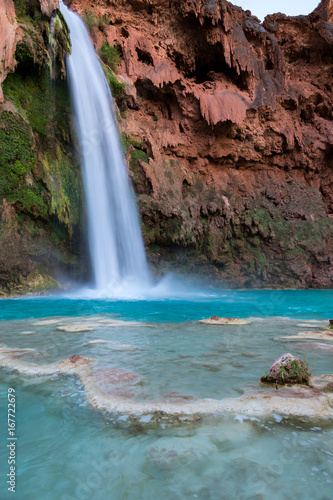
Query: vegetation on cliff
point(40, 186)
point(233, 171)
point(229, 153)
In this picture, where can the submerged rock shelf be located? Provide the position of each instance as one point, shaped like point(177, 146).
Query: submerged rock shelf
point(315, 401)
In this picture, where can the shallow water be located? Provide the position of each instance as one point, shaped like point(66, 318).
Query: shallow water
point(66, 450)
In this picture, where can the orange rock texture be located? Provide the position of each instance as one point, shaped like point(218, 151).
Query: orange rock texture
point(8, 28)
point(227, 124)
point(11, 33)
point(40, 179)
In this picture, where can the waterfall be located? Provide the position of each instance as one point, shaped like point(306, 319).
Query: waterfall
point(115, 241)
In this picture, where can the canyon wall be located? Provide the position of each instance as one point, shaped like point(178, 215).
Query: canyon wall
point(227, 124)
point(40, 183)
point(227, 128)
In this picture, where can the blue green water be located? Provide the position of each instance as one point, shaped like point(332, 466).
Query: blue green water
point(67, 450)
point(301, 303)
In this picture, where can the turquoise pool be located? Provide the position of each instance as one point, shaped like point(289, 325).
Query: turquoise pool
point(67, 450)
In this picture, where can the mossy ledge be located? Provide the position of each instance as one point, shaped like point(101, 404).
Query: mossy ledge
point(41, 199)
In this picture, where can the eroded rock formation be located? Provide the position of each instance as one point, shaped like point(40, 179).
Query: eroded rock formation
point(40, 183)
point(8, 27)
point(228, 126)
point(109, 389)
point(12, 31)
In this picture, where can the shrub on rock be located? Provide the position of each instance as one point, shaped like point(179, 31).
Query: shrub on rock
point(287, 369)
point(329, 326)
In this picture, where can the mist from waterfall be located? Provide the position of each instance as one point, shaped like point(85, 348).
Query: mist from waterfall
point(115, 242)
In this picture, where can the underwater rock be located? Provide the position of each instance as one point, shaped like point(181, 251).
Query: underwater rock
point(210, 365)
point(115, 382)
point(320, 335)
point(115, 375)
point(324, 347)
point(75, 328)
point(322, 382)
point(118, 322)
point(170, 452)
point(47, 322)
point(287, 369)
point(107, 390)
point(312, 324)
point(175, 397)
point(121, 347)
point(15, 350)
point(77, 360)
point(329, 326)
point(216, 320)
point(295, 400)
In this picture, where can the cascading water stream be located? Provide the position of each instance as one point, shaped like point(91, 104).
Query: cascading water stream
point(115, 241)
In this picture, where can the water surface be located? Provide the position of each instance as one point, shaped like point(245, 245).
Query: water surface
point(67, 450)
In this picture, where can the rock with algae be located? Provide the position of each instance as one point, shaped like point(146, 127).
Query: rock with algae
point(75, 328)
point(287, 369)
point(40, 186)
point(308, 335)
point(108, 390)
point(216, 320)
point(322, 382)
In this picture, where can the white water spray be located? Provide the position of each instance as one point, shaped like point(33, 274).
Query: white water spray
point(115, 242)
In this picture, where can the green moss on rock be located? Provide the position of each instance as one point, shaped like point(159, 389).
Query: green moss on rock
point(117, 88)
point(38, 101)
point(40, 182)
point(64, 184)
point(28, 12)
point(110, 55)
point(17, 158)
point(59, 43)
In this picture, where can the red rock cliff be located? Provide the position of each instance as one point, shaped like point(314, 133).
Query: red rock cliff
point(11, 33)
point(230, 135)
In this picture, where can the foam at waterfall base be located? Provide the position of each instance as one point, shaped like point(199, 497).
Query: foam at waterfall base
point(170, 287)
